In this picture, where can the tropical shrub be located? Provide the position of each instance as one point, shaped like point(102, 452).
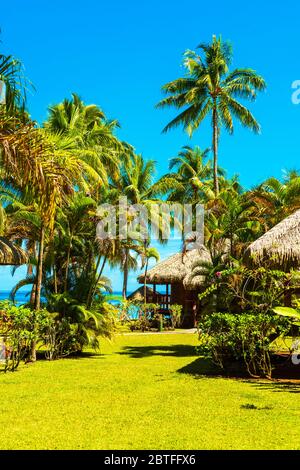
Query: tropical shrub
point(128, 309)
point(141, 324)
point(246, 338)
point(148, 317)
point(58, 337)
point(19, 328)
point(72, 326)
point(176, 313)
point(240, 289)
point(292, 315)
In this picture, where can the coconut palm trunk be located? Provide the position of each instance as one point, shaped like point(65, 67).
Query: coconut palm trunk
point(145, 281)
point(40, 269)
point(67, 265)
point(39, 278)
point(55, 278)
point(215, 148)
point(94, 286)
point(90, 292)
point(125, 278)
point(32, 295)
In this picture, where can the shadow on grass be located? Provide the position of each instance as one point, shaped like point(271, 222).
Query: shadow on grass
point(285, 379)
point(41, 355)
point(277, 385)
point(176, 350)
point(202, 367)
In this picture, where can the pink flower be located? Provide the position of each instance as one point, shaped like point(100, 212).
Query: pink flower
point(218, 274)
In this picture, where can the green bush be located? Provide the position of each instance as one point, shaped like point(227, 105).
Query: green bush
point(148, 317)
point(19, 328)
point(246, 338)
point(240, 289)
point(176, 315)
point(142, 324)
point(63, 328)
point(71, 326)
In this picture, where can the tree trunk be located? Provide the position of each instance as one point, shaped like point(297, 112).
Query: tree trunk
point(125, 278)
point(145, 282)
point(215, 149)
point(67, 266)
point(91, 295)
point(55, 278)
point(32, 295)
point(39, 278)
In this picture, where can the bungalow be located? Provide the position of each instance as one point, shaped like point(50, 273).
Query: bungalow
point(180, 280)
point(151, 296)
point(278, 248)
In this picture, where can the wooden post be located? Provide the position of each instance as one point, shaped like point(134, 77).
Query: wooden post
point(167, 296)
point(154, 292)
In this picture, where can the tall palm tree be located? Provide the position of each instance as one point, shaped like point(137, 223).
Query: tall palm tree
point(277, 198)
point(149, 253)
point(74, 217)
point(31, 161)
point(209, 88)
point(231, 221)
point(96, 145)
point(192, 177)
point(73, 116)
point(136, 182)
point(14, 84)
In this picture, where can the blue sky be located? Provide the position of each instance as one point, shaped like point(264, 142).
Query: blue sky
point(118, 54)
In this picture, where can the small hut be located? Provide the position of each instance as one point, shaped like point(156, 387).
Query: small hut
point(151, 295)
point(279, 247)
point(181, 286)
point(11, 254)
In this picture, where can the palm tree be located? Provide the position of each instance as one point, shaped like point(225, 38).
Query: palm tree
point(278, 199)
point(23, 224)
point(73, 116)
point(136, 183)
point(149, 253)
point(193, 175)
point(232, 220)
point(96, 145)
point(76, 230)
point(29, 160)
point(136, 180)
point(210, 89)
point(15, 84)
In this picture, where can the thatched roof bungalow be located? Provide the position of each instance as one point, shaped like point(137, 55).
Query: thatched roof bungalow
point(151, 295)
point(176, 274)
point(279, 247)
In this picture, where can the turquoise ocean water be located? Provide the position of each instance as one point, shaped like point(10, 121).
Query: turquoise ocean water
point(23, 297)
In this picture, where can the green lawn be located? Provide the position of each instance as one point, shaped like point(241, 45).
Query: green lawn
point(139, 394)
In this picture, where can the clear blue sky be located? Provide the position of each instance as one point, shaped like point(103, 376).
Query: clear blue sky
point(118, 54)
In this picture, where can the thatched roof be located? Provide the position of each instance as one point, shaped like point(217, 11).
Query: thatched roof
point(178, 268)
point(279, 247)
point(138, 294)
point(11, 254)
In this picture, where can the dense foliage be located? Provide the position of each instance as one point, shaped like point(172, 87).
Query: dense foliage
point(247, 338)
point(54, 176)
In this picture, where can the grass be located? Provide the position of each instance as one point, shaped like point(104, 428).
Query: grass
point(143, 392)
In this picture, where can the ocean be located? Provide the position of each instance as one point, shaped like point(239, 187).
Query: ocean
point(23, 297)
